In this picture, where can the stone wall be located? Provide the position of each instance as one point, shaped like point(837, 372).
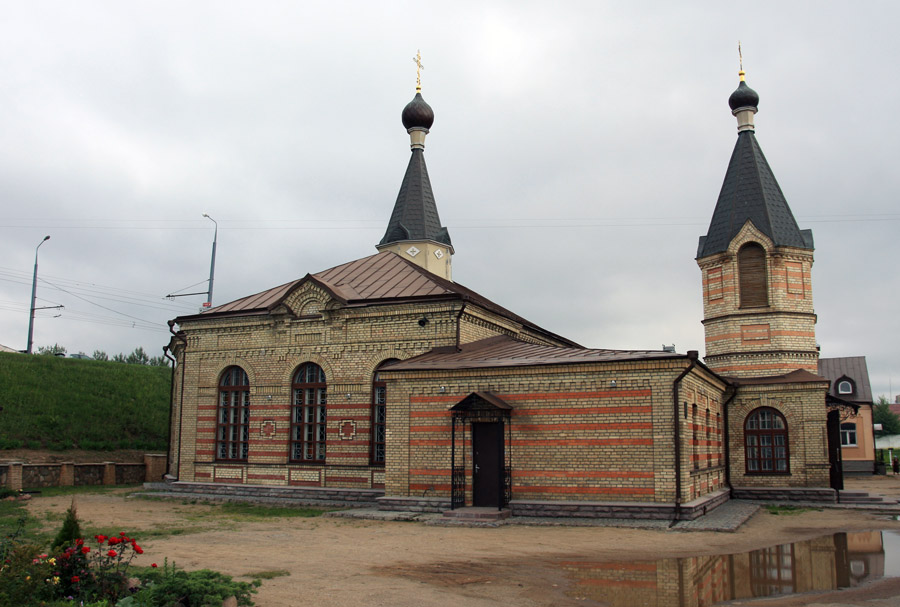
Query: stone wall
point(18, 475)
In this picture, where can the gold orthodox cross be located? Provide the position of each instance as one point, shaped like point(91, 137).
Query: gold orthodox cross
point(419, 67)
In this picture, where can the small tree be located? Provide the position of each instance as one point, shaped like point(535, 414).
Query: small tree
point(100, 355)
point(53, 350)
point(119, 358)
point(158, 361)
point(138, 357)
point(70, 530)
point(882, 414)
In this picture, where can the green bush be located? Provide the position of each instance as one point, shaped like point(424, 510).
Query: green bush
point(27, 576)
point(202, 588)
point(70, 530)
point(10, 443)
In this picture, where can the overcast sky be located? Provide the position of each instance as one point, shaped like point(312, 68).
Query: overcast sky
point(576, 156)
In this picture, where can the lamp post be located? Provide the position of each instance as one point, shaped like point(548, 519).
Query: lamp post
point(33, 293)
point(212, 264)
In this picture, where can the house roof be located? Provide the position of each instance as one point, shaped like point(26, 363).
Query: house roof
point(794, 377)
point(751, 193)
point(504, 351)
point(852, 367)
point(383, 278)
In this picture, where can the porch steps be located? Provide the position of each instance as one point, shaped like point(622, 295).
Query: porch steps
point(478, 514)
point(863, 498)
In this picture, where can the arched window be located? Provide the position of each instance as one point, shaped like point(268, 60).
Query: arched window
point(848, 435)
point(752, 275)
point(233, 416)
point(845, 386)
point(694, 455)
point(766, 442)
point(308, 415)
point(379, 417)
point(708, 447)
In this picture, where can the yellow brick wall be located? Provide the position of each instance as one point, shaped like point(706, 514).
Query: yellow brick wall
point(803, 407)
point(759, 341)
point(599, 432)
point(347, 343)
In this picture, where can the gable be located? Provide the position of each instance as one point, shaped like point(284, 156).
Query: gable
point(308, 299)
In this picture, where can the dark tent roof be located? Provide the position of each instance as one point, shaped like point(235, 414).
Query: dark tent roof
point(415, 214)
point(750, 192)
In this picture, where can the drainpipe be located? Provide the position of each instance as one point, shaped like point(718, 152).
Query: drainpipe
point(462, 310)
point(693, 356)
point(179, 336)
point(171, 400)
point(726, 438)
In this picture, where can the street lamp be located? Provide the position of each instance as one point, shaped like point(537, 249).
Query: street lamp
point(33, 293)
point(212, 264)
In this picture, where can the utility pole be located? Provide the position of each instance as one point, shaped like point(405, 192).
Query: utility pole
point(212, 264)
point(33, 293)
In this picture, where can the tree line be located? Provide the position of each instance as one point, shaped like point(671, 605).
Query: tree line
point(137, 357)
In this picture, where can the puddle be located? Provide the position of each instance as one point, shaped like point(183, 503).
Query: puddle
point(830, 562)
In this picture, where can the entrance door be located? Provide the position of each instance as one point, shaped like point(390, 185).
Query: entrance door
point(834, 450)
point(487, 474)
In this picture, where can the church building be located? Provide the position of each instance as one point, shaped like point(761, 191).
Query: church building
point(383, 381)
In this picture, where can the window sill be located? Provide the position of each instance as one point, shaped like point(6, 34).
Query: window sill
point(755, 473)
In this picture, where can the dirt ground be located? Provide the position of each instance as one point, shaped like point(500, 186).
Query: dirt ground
point(348, 562)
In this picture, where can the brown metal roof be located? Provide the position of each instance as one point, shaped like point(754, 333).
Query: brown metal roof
point(504, 351)
point(378, 279)
point(852, 367)
point(794, 377)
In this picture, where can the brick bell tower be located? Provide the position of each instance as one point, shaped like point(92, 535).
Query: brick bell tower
point(756, 263)
point(414, 231)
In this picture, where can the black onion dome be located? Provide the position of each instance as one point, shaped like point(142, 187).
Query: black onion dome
point(417, 113)
point(744, 96)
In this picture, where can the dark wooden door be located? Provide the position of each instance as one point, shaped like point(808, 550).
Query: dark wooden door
point(834, 451)
point(487, 473)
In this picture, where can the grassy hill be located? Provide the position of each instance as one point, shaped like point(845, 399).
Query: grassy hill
point(63, 403)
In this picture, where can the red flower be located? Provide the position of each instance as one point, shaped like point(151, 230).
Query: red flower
point(122, 533)
point(138, 549)
point(79, 542)
point(154, 565)
point(114, 540)
point(111, 553)
point(100, 538)
point(85, 549)
point(75, 579)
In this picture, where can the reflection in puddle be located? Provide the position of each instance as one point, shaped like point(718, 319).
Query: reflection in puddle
point(834, 561)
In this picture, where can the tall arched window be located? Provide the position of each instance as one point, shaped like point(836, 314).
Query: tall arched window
point(379, 418)
point(308, 415)
point(233, 416)
point(752, 275)
point(766, 442)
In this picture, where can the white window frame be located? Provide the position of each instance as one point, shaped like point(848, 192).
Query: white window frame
point(847, 433)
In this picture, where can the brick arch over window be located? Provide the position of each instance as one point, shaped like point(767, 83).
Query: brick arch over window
point(766, 442)
point(378, 417)
point(754, 284)
point(233, 415)
point(308, 414)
